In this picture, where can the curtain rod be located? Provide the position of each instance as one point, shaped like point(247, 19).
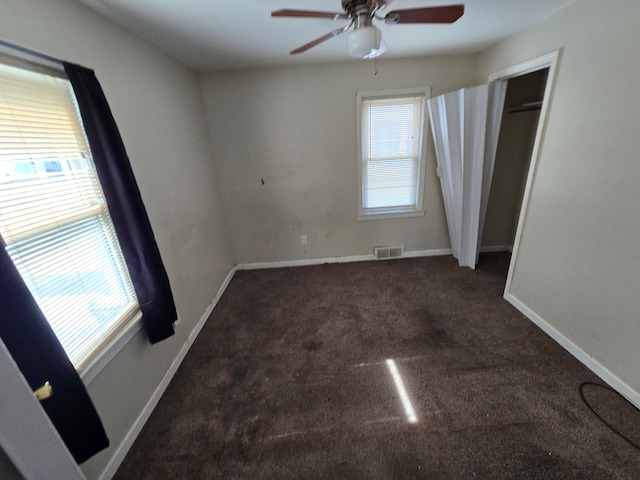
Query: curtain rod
point(28, 51)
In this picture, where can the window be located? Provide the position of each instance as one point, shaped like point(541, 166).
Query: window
point(391, 154)
point(53, 216)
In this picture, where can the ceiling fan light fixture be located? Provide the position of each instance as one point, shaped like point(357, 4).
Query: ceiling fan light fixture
point(363, 42)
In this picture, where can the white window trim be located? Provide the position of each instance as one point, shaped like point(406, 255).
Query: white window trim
point(92, 364)
point(130, 323)
point(394, 212)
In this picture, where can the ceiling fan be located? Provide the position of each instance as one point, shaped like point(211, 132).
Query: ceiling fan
point(365, 41)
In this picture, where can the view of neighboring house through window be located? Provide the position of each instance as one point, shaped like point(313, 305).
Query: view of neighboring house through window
point(391, 153)
point(53, 216)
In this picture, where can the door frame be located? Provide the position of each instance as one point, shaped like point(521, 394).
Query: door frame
point(550, 61)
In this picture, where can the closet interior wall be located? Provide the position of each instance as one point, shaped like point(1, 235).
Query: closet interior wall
point(515, 146)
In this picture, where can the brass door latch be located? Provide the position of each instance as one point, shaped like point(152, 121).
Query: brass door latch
point(44, 391)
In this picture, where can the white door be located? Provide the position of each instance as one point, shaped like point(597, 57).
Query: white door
point(464, 132)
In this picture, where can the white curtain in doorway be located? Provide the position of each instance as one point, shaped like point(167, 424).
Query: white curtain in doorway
point(465, 132)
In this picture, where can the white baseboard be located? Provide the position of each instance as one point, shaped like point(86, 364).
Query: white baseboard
point(348, 259)
point(591, 363)
point(497, 248)
point(136, 428)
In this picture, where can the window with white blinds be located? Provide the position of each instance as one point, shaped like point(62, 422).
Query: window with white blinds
point(391, 165)
point(53, 216)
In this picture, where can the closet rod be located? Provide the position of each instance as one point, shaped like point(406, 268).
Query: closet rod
point(525, 107)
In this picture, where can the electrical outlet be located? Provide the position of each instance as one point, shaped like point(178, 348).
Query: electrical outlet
point(303, 240)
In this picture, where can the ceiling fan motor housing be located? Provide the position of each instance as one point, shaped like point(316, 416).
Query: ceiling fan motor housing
point(350, 6)
point(357, 9)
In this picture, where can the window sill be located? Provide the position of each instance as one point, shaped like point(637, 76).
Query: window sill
point(100, 358)
point(388, 215)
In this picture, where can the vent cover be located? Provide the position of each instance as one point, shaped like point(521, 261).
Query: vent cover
point(382, 253)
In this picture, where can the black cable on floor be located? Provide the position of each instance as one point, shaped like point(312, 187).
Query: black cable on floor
point(611, 427)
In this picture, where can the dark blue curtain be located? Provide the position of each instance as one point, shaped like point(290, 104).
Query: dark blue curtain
point(127, 211)
point(23, 327)
point(41, 358)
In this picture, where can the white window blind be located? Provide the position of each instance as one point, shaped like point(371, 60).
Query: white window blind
point(391, 149)
point(53, 216)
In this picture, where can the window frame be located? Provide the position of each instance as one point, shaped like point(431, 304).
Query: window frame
point(130, 322)
point(393, 212)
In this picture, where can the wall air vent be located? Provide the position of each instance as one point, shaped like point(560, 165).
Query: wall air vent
point(383, 253)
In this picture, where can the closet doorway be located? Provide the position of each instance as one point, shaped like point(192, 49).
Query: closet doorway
point(529, 88)
point(520, 116)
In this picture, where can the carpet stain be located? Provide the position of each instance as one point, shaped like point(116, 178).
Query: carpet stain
point(312, 345)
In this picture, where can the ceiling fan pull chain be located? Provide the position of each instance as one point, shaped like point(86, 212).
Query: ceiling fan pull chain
point(375, 58)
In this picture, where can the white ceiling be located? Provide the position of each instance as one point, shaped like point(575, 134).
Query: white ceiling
point(217, 34)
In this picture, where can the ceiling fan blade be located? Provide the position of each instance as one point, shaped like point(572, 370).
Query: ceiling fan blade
point(309, 14)
point(447, 14)
point(318, 41)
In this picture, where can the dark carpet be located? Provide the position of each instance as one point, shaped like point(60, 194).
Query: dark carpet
point(290, 378)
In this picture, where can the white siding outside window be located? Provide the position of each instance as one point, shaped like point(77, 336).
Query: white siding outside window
point(391, 128)
point(53, 215)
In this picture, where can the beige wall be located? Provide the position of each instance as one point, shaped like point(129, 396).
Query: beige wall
point(578, 266)
point(156, 103)
point(295, 128)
